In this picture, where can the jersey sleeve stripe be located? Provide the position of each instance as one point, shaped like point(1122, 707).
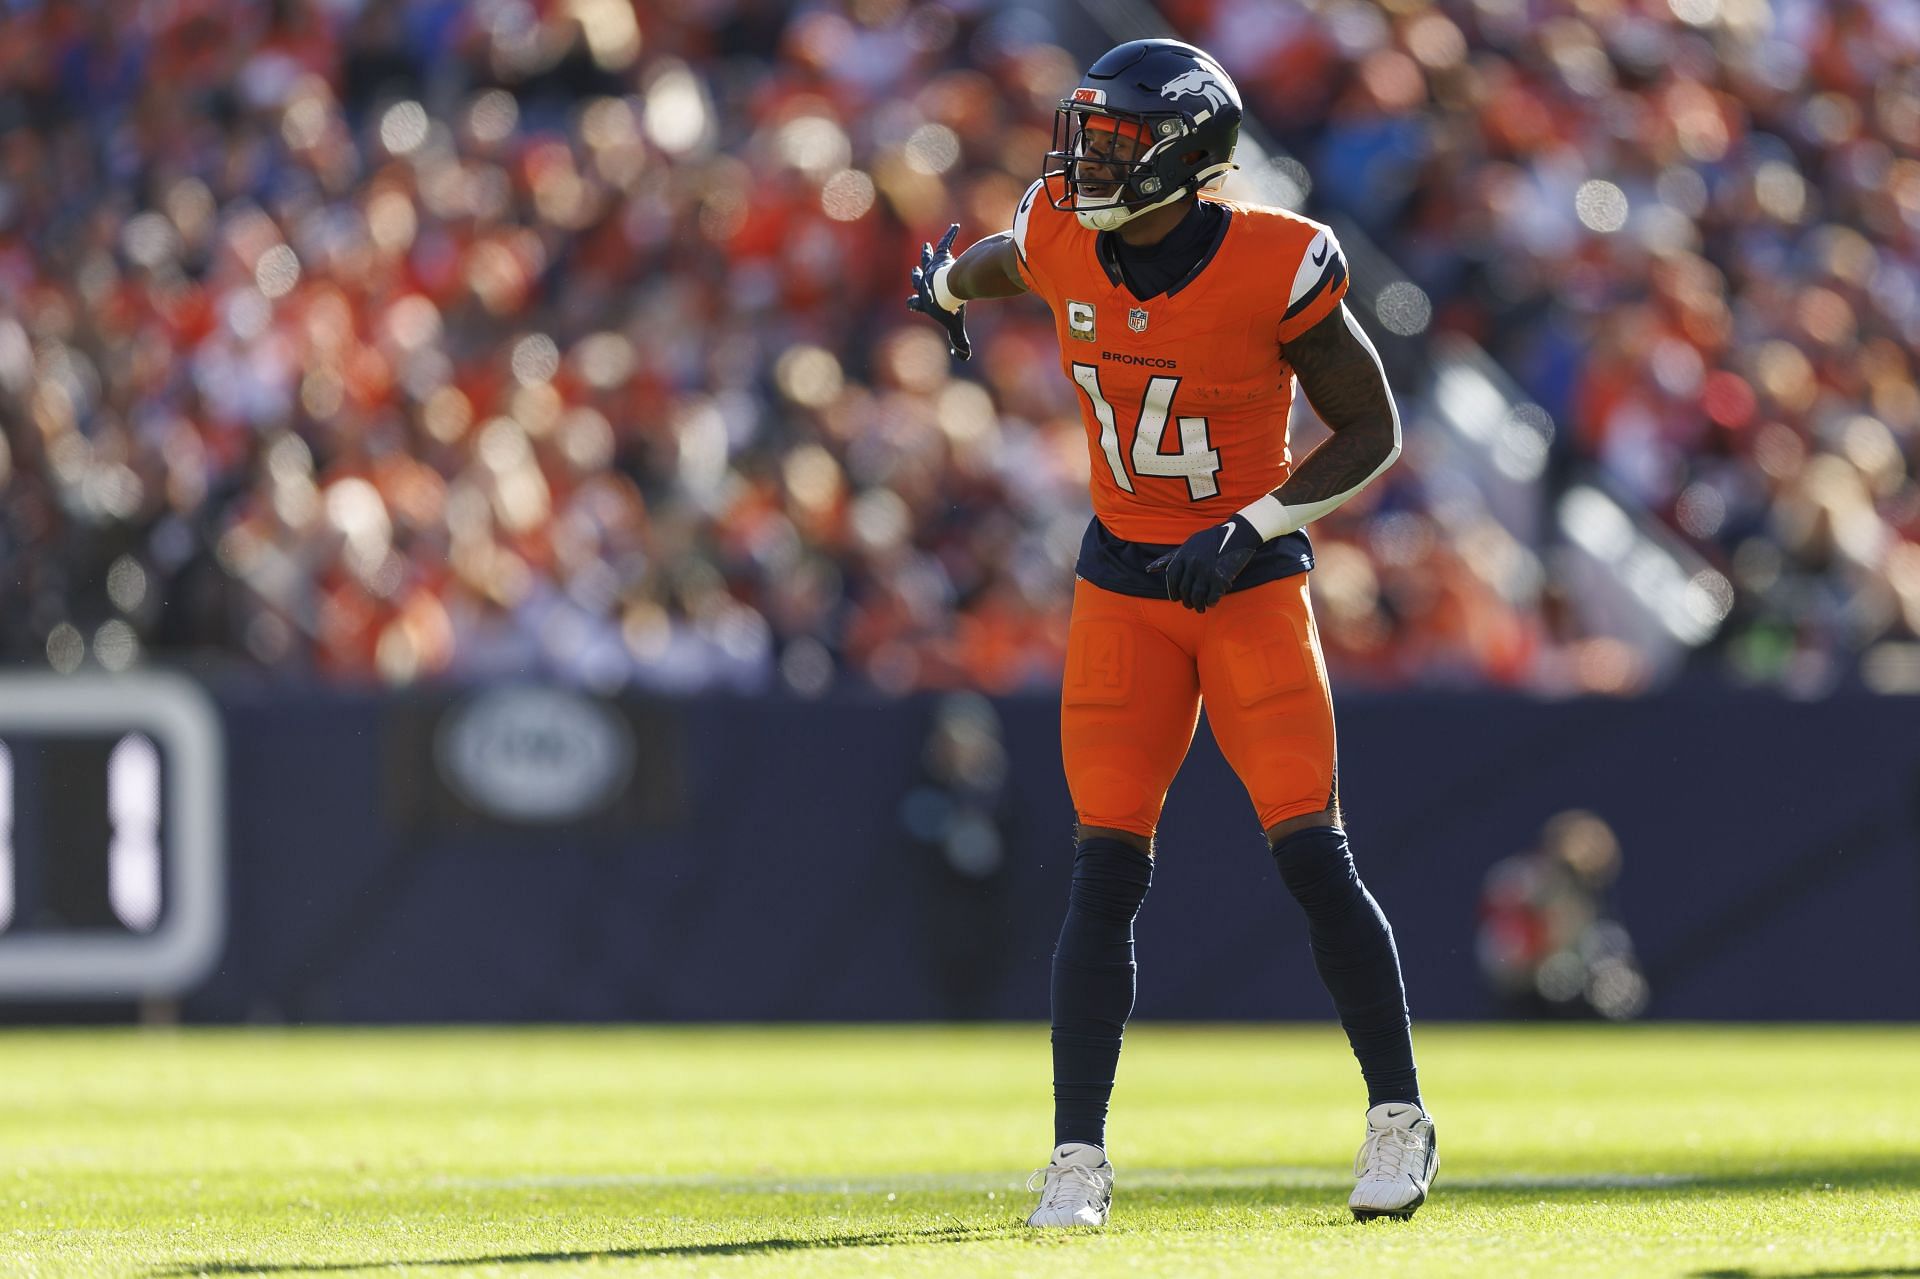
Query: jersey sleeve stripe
point(1020, 216)
point(1330, 279)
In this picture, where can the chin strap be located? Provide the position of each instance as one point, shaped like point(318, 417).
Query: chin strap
point(1112, 217)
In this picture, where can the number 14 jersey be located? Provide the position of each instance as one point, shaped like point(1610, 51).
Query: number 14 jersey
point(1185, 395)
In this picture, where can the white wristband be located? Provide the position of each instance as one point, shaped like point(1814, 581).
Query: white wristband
point(941, 293)
point(1271, 518)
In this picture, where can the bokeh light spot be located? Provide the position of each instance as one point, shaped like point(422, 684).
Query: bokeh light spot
point(492, 116)
point(66, 648)
point(403, 127)
point(847, 196)
point(933, 148)
point(277, 271)
point(1601, 206)
point(1404, 308)
point(535, 359)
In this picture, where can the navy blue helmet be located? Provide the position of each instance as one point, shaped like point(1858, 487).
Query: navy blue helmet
point(1150, 121)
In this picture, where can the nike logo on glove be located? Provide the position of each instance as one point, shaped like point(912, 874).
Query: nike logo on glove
point(1197, 577)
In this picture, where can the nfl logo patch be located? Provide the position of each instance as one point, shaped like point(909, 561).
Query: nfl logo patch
point(1137, 319)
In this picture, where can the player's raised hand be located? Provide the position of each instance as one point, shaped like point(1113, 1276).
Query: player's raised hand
point(1199, 573)
point(926, 299)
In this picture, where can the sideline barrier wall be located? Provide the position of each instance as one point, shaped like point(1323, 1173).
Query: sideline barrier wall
point(751, 859)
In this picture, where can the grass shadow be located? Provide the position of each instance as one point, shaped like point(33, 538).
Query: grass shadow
point(745, 1248)
point(1865, 1272)
point(1224, 1188)
point(1897, 1173)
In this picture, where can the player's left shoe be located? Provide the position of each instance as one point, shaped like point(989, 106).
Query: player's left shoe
point(1076, 1187)
point(1396, 1162)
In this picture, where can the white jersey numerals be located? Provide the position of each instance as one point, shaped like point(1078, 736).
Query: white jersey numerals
point(1197, 460)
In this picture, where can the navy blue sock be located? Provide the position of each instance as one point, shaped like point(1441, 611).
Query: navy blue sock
point(1093, 976)
point(1353, 949)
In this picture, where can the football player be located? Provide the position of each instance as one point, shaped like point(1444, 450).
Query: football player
point(1184, 320)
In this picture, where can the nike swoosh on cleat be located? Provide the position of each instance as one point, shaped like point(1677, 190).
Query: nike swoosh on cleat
point(1320, 257)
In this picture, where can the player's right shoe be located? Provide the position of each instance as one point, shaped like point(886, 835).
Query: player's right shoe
point(1076, 1187)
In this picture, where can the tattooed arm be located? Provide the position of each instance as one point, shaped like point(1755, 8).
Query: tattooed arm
point(1341, 374)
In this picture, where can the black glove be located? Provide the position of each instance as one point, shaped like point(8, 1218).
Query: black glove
point(923, 301)
point(1200, 572)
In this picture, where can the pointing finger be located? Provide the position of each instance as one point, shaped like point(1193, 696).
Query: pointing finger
point(946, 241)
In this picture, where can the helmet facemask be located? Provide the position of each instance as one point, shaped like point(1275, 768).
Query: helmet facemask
point(1105, 165)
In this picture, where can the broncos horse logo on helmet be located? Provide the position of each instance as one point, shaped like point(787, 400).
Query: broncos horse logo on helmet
point(1196, 81)
point(1151, 121)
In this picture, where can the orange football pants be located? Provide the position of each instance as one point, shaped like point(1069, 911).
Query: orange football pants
point(1137, 673)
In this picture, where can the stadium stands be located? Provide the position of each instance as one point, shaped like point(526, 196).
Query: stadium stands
point(1691, 229)
point(406, 340)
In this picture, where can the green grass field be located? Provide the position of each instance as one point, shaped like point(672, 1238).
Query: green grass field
point(886, 1151)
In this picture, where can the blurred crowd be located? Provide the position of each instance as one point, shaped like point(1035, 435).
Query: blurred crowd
point(396, 340)
point(1690, 228)
point(400, 339)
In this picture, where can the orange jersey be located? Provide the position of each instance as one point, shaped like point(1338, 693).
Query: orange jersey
point(1184, 396)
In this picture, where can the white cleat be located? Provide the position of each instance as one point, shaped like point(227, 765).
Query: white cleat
point(1396, 1162)
point(1076, 1187)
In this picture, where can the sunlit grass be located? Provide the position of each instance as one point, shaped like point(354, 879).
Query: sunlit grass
point(903, 1151)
